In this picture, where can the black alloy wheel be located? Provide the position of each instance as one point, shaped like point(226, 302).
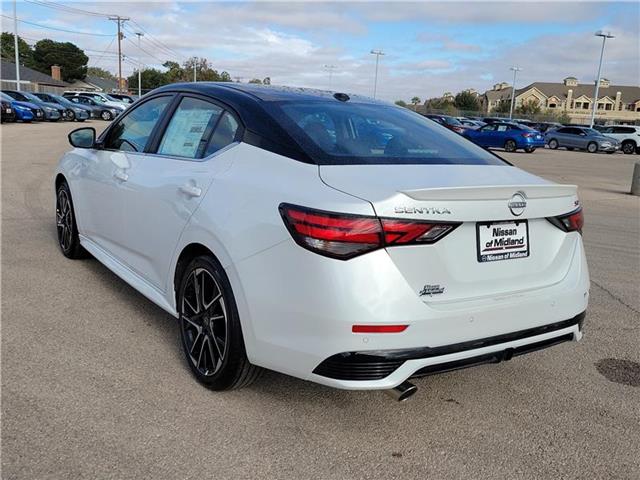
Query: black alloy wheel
point(68, 238)
point(210, 327)
point(510, 146)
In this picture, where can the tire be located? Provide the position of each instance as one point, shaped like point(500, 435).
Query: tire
point(80, 119)
point(592, 147)
point(71, 115)
point(530, 149)
point(510, 146)
point(628, 147)
point(211, 334)
point(66, 226)
point(553, 144)
point(106, 115)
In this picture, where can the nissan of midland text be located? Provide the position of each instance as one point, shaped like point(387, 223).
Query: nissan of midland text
point(327, 236)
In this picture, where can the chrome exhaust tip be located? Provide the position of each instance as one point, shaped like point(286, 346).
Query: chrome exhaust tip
point(402, 392)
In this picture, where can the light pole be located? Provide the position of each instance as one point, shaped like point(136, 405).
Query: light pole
point(15, 44)
point(377, 53)
point(604, 35)
point(513, 90)
point(139, 34)
point(330, 69)
point(195, 62)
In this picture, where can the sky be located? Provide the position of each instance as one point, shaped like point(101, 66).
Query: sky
point(429, 47)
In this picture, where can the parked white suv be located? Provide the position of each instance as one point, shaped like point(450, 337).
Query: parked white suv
point(99, 97)
point(627, 135)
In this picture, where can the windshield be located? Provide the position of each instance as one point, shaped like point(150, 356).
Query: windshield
point(591, 131)
point(6, 97)
point(32, 97)
point(338, 133)
point(451, 121)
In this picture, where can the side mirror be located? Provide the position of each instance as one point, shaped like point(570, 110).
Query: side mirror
point(83, 137)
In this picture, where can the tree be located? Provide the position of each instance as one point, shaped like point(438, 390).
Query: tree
point(8, 50)
point(415, 101)
point(530, 107)
point(503, 106)
point(150, 78)
point(100, 73)
point(266, 81)
point(256, 80)
point(204, 71)
point(401, 103)
point(466, 101)
point(72, 60)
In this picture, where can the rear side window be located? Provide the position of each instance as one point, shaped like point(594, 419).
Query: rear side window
point(339, 133)
point(132, 132)
point(623, 130)
point(190, 128)
point(223, 135)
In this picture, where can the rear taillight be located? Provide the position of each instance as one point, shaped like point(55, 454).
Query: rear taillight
point(345, 236)
point(570, 222)
point(528, 135)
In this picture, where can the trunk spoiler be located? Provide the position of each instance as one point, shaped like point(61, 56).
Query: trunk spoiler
point(488, 192)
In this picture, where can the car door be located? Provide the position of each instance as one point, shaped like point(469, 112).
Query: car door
point(165, 186)
point(564, 137)
point(482, 135)
point(499, 136)
point(104, 170)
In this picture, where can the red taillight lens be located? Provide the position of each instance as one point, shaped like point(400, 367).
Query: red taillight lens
point(345, 236)
point(571, 222)
point(528, 135)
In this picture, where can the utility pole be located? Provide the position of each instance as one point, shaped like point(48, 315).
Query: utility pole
point(513, 90)
point(604, 36)
point(139, 34)
point(15, 44)
point(330, 69)
point(120, 20)
point(195, 62)
point(377, 53)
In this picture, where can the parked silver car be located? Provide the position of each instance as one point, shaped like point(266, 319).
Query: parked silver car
point(582, 138)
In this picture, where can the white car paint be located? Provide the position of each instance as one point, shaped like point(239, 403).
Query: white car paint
point(137, 212)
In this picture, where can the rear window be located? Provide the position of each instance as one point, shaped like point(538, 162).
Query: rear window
point(343, 133)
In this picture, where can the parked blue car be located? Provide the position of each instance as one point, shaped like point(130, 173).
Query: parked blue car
point(52, 112)
point(510, 136)
point(24, 110)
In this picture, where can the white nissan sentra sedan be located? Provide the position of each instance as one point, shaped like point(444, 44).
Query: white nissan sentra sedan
point(330, 237)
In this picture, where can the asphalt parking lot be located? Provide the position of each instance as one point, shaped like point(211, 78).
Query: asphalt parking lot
point(94, 384)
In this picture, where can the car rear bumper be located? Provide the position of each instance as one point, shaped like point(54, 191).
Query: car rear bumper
point(393, 365)
point(298, 320)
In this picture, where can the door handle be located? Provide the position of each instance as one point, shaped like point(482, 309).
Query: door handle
point(191, 190)
point(120, 175)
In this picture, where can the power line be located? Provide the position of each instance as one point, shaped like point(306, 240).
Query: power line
point(59, 29)
point(66, 8)
point(156, 41)
point(145, 51)
point(154, 44)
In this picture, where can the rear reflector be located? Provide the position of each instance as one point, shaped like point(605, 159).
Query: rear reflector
point(571, 222)
point(378, 328)
point(345, 236)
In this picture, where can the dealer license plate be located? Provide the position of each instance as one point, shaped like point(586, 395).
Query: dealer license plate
point(502, 240)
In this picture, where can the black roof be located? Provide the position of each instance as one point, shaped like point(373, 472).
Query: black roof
point(266, 93)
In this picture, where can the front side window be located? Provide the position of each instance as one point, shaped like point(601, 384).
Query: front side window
point(132, 132)
point(190, 128)
point(339, 133)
